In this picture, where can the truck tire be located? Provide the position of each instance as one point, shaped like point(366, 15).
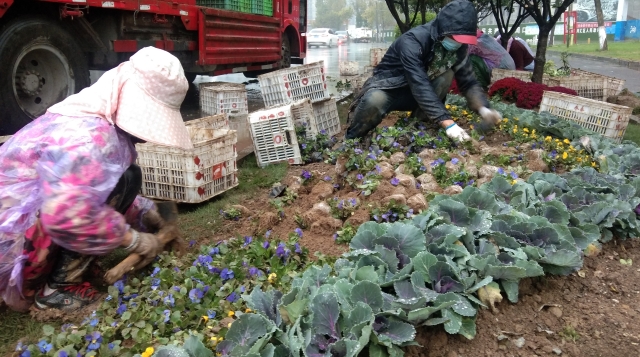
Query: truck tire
point(285, 62)
point(42, 65)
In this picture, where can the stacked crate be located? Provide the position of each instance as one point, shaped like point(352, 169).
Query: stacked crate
point(231, 99)
point(194, 175)
point(301, 94)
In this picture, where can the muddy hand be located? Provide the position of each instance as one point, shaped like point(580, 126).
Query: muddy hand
point(160, 215)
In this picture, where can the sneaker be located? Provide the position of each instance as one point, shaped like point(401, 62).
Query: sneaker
point(68, 298)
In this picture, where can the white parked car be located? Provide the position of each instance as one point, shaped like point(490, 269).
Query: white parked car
point(322, 37)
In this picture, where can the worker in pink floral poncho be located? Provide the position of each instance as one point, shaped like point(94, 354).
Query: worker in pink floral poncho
point(68, 182)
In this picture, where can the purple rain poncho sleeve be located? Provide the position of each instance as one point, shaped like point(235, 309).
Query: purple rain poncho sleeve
point(62, 168)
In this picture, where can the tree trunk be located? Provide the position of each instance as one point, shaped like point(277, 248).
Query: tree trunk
point(602, 34)
point(504, 40)
point(541, 51)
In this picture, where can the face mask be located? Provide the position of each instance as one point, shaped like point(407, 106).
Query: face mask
point(450, 45)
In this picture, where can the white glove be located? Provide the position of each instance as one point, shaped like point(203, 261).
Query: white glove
point(456, 133)
point(490, 116)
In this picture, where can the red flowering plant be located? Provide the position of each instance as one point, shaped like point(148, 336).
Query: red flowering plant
point(454, 87)
point(530, 95)
point(507, 88)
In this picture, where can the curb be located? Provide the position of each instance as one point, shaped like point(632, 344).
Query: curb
point(635, 65)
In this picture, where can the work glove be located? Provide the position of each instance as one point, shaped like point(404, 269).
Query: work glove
point(457, 134)
point(146, 245)
point(490, 115)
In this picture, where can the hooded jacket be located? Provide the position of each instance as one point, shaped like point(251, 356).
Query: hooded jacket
point(409, 56)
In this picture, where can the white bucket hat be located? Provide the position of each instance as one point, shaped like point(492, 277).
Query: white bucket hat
point(141, 96)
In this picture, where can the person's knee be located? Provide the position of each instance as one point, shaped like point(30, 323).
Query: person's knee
point(376, 99)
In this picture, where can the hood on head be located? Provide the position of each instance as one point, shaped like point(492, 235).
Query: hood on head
point(458, 17)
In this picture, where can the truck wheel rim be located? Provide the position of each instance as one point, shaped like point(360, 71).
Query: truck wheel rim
point(43, 77)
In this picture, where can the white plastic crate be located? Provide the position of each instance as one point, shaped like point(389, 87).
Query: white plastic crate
point(349, 68)
point(376, 55)
point(274, 136)
point(194, 175)
point(208, 127)
point(327, 118)
point(240, 123)
point(608, 119)
point(302, 112)
point(223, 97)
point(289, 85)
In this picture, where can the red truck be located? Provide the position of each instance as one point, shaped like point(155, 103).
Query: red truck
point(47, 47)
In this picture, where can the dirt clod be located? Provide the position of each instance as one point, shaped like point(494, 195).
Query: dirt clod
point(417, 202)
point(326, 226)
point(397, 158)
point(452, 190)
point(359, 217)
point(322, 190)
point(555, 311)
point(397, 198)
point(535, 160)
point(487, 171)
point(386, 170)
point(407, 181)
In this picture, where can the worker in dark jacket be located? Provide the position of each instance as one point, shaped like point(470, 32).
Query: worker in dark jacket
point(417, 71)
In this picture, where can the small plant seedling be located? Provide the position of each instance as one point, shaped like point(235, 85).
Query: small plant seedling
point(569, 332)
point(230, 213)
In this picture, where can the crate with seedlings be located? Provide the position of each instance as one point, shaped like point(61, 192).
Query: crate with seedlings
point(326, 117)
point(289, 85)
point(223, 97)
point(303, 114)
point(274, 136)
point(195, 175)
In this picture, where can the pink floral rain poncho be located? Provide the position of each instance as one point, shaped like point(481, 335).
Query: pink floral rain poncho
point(61, 168)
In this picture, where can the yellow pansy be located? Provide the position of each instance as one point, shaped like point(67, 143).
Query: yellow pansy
point(447, 106)
point(505, 120)
point(272, 277)
point(513, 182)
point(148, 352)
point(526, 130)
point(247, 311)
point(515, 130)
point(547, 139)
point(579, 159)
point(566, 141)
point(593, 164)
point(533, 132)
point(564, 156)
point(205, 318)
point(516, 119)
point(464, 112)
point(231, 313)
point(471, 126)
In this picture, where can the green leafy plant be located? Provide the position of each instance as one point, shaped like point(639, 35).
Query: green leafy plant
point(231, 213)
point(278, 204)
point(345, 235)
point(343, 209)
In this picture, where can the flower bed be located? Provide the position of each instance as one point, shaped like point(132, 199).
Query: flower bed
point(526, 95)
point(195, 296)
point(405, 268)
